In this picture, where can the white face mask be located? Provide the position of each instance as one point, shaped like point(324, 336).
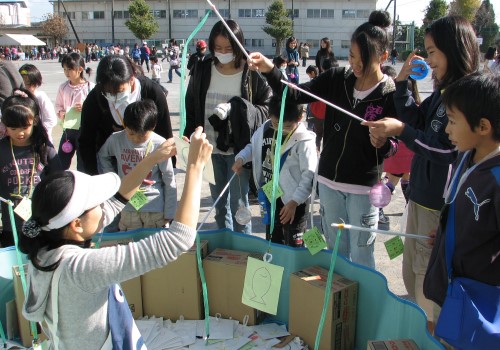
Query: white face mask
point(224, 58)
point(119, 97)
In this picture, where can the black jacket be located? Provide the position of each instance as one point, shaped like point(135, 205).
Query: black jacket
point(254, 90)
point(348, 155)
point(98, 123)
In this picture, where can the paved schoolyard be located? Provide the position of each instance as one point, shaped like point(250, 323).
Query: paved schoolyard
point(53, 76)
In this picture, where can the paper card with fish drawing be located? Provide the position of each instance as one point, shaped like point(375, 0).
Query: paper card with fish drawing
point(182, 148)
point(262, 285)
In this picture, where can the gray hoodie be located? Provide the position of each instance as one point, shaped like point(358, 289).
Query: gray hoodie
point(87, 275)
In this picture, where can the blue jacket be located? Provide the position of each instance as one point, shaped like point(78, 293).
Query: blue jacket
point(424, 134)
point(136, 53)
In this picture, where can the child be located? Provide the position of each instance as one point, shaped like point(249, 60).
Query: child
point(280, 63)
point(298, 164)
point(26, 156)
point(124, 149)
point(351, 158)
point(33, 80)
point(317, 109)
point(69, 208)
point(69, 100)
point(156, 69)
point(473, 109)
point(452, 53)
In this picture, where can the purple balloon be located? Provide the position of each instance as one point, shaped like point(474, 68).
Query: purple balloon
point(380, 195)
point(67, 147)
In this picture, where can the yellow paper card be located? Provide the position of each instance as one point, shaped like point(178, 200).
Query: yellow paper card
point(314, 240)
point(23, 209)
point(262, 285)
point(72, 119)
point(138, 200)
point(268, 190)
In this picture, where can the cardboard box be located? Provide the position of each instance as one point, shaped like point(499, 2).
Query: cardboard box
point(225, 274)
point(307, 291)
point(24, 325)
point(404, 344)
point(175, 289)
point(131, 288)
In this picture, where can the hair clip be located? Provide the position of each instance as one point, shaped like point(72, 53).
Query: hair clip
point(31, 228)
point(20, 93)
point(24, 72)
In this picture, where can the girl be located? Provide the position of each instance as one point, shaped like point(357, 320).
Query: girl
point(325, 53)
point(26, 156)
point(33, 80)
point(175, 63)
point(69, 102)
point(223, 90)
point(119, 83)
point(292, 60)
point(453, 52)
point(351, 161)
point(76, 285)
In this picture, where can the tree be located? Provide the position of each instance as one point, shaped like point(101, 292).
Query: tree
point(484, 24)
point(465, 8)
point(280, 25)
point(142, 23)
point(54, 26)
point(436, 9)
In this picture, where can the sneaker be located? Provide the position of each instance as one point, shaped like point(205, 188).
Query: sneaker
point(382, 218)
point(169, 81)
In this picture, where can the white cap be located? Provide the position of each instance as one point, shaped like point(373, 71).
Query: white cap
point(89, 192)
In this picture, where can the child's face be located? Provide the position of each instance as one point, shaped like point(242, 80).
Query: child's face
point(436, 58)
point(20, 136)
point(283, 67)
point(459, 131)
point(73, 75)
point(137, 138)
point(29, 86)
point(311, 75)
point(288, 127)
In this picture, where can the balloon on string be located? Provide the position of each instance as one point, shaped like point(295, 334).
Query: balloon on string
point(67, 147)
point(243, 215)
point(380, 195)
point(421, 70)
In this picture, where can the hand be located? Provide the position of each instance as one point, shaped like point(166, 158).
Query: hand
point(260, 62)
point(287, 213)
point(200, 149)
point(78, 107)
point(432, 238)
point(61, 114)
point(385, 127)
point(406, 70)
point(222, 110)
point(238, 164)
point(377, 142)
point(166, 150)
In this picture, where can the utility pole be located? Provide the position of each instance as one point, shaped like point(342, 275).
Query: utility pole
point(229, 10)
point(169, 20)
point(113, 22)
point(393, 23)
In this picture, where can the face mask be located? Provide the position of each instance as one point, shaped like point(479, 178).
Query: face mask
point(224, 58)
point(119, 97)
point(283, 70)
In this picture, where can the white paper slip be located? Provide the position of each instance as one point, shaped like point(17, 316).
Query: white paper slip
point(219, 328)
point(271, 330)
point(182, 159)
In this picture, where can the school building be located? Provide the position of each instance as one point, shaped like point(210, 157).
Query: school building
point(312, 20)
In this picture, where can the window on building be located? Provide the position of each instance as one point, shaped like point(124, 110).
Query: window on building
point(257, 42)
point(118, 14)
point(295, 13)
point(98, 14)
point(313, 43)
point(346, 14)
point(159, 13)
point(72, 15)
point(363, 13)
point(192, 14)
point(126, 14)
point(345, 44)
point(259, 13)
point(223, 12)
point(244, 13)
point(326, 13)
point(313, 13)
point(87, 15)
point(185, 13)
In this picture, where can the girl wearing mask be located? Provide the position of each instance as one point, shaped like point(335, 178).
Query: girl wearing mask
point(223, 90)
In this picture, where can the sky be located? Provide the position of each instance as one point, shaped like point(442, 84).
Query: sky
point(408, 10)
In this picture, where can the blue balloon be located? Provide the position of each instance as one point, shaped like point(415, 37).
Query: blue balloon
point(422, 69)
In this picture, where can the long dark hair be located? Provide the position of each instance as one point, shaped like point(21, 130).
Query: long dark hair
point(32, 74)
point(19, 111)
point(371, 37)
point(455, 37)
point(115, 70)
point(220, 29)
point(74, 61)
point(49, 198)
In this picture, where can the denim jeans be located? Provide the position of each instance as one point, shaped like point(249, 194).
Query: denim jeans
point(170, 75)
point(228, 205)
point(354, 209)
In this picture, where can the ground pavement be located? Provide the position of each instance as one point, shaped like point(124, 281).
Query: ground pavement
point(53, 76)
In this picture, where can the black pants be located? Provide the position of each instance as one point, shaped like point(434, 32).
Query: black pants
point(288, 234)
point(72, 136)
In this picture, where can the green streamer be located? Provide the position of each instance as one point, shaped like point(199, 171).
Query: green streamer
point(2, 335)
point(203, 285)
point(20, 263)
point(328, 291)
point(183, 74)
point(276, 164)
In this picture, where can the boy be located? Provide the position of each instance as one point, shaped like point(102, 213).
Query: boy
point(121, 153)
point(298, 164)
point(156, 70)
point(473, 109)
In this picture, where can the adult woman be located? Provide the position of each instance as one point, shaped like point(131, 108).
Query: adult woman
point(351, 160)
point(173, 52)
point(119, 83)
point(222, 90)
point(325, 53)
point(452, 53)
point(72, 288)
point(292, 60)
